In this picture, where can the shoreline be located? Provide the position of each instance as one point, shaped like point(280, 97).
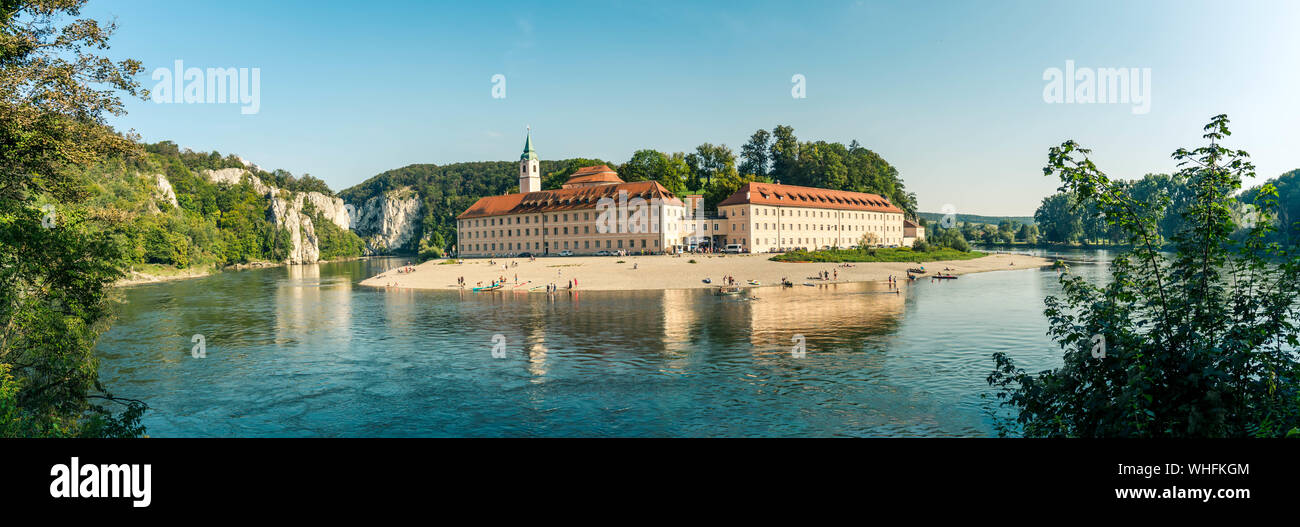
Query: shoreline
point(134, 278)
point(663, 272)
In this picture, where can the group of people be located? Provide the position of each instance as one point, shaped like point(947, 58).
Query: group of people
point(833, 274)
point(551, 288)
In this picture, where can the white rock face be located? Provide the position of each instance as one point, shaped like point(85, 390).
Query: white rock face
point(331, 208)
point(302, 232)
point(165, 191)
point(287, 210)
point(388, 221)
point(232, 176)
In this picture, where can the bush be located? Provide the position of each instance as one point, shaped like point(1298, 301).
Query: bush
point(1194, 344)
point(920, 246)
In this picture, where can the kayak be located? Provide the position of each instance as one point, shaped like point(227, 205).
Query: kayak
point(946, 277)
point(489, 288)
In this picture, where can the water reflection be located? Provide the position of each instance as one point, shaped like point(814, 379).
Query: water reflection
point(303, 351)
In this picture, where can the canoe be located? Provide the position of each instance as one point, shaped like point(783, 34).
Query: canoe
point(916, 271)
point(727, 291)
point(946, 276)
point(488, 288)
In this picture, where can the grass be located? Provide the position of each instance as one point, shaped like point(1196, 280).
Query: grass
point(899, 254)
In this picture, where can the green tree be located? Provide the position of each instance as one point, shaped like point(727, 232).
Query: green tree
point(653, 165)
point(1059, 220)
point(1200, 343)
point(723, 187)
point(711, 161)
point(783, 153)
point(57, 264)
point(755, 154)
point(1028, 233)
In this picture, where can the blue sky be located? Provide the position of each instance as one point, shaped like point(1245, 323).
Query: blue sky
point(950, 93)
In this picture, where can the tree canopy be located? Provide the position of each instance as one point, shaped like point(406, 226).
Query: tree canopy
point(1200, 343)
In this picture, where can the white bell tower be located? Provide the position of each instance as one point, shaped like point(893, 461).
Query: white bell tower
point(530, 175)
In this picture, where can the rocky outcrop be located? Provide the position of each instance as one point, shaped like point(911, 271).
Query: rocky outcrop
point(331, 208)
point(288, 210)
point(233, 176)
point(390, 221)
point(165, 191)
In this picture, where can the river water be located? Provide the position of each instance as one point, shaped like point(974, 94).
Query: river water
point(305, 351)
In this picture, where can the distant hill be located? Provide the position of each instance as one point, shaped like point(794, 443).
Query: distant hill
point(976, 218)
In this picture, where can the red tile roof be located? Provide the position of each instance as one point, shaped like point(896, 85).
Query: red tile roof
point(576, 198)
point(795, 196)
point(596, 174)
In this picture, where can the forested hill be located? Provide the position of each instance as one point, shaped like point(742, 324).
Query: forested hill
point(171, 206)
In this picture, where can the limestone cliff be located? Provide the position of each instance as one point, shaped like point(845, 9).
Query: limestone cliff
point(165, 191)
point(390, 221)
point(287, 209)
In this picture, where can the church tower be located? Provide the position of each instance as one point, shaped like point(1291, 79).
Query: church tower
point(530, 176)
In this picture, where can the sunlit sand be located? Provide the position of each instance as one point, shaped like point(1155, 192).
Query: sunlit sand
point(605, 273)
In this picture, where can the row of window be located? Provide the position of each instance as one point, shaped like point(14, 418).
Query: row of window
point(669, 212)
point(815, 227)
point(807, 213)
point(537, 246)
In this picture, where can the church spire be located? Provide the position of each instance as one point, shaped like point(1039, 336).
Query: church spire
point(530, 174)
point(529, 153)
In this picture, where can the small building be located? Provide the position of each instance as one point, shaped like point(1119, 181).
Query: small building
point(912, 232)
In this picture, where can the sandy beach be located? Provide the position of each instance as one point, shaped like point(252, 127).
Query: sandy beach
point(605, 273)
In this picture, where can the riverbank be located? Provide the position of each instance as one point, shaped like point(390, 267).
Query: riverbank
point(631, 273)
point(140, 274)
point(153, 273)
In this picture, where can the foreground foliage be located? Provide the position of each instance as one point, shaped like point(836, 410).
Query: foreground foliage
point(1200, 343)
point(57, 261)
